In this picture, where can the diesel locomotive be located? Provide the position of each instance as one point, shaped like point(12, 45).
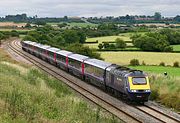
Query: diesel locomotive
point(110, 77)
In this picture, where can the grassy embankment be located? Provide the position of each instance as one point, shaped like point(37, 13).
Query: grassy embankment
point(29, 95)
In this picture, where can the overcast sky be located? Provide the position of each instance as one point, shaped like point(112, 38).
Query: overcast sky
point(59, 8)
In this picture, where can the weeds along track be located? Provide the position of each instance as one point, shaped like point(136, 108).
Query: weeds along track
point(127, 113)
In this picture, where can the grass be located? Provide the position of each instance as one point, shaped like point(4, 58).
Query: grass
point(176, 47)
point(166, 90)
point(77, 24)
point(29, 95)
point(172, 71)
point(124, 36)
point(150, 58)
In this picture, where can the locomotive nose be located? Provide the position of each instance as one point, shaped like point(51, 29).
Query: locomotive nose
point(139, 88)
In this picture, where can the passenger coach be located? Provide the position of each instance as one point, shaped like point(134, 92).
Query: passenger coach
point(110, 77)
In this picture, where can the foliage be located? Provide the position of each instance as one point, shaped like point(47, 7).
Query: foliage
point(157, 16)
point(173, 37)
point(84, 50)
point(165, 90)
point(29, 38)
point(100, 46)
point(162, 64)
point(176, 64)
point(134, 62)
point(120, 43)
point(28, 25)
point(152, 42)
point(70, 36)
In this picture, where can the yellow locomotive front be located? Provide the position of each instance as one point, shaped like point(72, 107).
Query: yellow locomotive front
point(138, 88)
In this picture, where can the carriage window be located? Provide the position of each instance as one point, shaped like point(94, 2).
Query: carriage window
point(94, 70)
point(75, 63)
point(61, 58)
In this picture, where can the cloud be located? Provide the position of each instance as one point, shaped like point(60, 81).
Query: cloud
point(58, 8)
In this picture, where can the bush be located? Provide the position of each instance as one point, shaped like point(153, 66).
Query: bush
point(162, 64)
point(100, 46)
point(143, 63)
point(134, 62)
point(176, 64)
point(120, 43)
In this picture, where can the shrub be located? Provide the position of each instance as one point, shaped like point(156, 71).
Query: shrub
point(162, 64)
point(176, 64)
point(100, 46)
point(120, 43)
point(143, 63)
point(134, 62)
point(106, 45)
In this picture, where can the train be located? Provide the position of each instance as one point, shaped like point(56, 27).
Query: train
point(118, 80)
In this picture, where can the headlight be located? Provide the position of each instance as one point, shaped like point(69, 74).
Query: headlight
point(147, 90)
point(133, 90)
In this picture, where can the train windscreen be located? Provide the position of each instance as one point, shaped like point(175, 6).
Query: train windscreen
point(139, 81)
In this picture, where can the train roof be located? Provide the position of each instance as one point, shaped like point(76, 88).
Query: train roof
point(30, 42)
point(52, 49)
point(98, 63)
point(123, 71)
point(27, 42)
point(44, 47)
point(78, 57)
point(64, 52)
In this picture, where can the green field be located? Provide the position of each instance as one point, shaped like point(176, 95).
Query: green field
point(150, 58)
point(172, 71)
point(76, 24)
point(124, 36)
point(176, 47)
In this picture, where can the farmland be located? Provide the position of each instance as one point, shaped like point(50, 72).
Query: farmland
point(76, 24)
point(176, 47)
point(124, 36)
point(172, 71)
point(150, 58)
point(11, 24)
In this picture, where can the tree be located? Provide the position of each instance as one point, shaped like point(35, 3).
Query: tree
point(120, 43)
point(42, 23)
point(157, 16)
point(71, 36)
point(59, 40)
point(82, 37)
point(14, 33)
point(100, 46)
point(152, 42)
point(29, 38)
point(106, 45)
point(28, 25)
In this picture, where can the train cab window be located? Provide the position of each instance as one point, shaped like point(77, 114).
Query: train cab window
point(139, 81)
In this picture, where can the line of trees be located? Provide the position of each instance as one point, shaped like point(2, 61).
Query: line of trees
point(157, 41)
point(68, 39)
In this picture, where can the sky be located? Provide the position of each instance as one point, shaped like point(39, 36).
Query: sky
point(87, 8)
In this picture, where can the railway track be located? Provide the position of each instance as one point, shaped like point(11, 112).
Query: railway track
point(127, 113)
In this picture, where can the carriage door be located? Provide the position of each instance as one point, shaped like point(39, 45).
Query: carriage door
point(112, 79)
